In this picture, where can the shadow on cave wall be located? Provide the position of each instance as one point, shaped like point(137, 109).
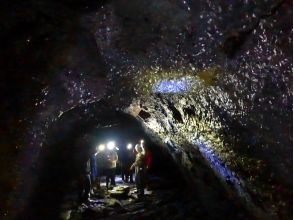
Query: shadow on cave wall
point(35, 39)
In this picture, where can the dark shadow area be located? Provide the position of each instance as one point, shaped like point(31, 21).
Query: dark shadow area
point(36, 39)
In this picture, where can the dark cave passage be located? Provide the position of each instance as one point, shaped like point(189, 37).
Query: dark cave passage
point(68, 150)
point(70, 147)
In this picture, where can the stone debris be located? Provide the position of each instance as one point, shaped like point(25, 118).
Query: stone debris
point(122, 203)
point(119, 192)
point(172, 202)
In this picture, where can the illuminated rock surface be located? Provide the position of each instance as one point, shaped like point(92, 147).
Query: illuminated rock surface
point(210, 82)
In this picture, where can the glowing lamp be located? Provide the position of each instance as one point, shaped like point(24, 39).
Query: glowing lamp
point(129, 146)
point(101, 147)
point(110, 145)
point(141, 142)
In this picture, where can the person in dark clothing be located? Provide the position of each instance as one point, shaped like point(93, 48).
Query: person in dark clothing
point(101, 162)
point(84, 182)
point(147, 163)
point(126, 160)
point(93, 166)
point(148, 159)
point(139, 170)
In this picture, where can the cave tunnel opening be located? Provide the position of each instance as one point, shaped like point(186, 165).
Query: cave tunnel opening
point(132, 133)
point(71, 143)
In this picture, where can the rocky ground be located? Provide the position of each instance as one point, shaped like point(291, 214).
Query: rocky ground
point(163, 200)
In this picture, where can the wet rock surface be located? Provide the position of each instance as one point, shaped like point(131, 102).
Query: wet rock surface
point(211, 82)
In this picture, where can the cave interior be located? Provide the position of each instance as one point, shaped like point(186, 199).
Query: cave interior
point(208, 85)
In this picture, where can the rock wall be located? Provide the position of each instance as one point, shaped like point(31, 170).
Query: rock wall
point(215, 75)
point(209, 79)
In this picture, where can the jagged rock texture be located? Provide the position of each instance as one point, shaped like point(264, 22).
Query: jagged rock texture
point(193, 72)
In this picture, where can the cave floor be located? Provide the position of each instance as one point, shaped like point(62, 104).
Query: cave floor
point(163, 200)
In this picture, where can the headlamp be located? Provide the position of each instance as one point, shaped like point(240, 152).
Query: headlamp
point(101, 147)
point(129, 146)
point(110, 145)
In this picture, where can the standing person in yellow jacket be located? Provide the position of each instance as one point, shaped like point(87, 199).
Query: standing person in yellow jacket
point(112, 158)
point(139, 169)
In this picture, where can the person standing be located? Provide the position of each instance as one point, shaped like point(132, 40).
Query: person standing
point(112, 158)
point(126, 162)
point(139, 170)
point(84, 181)
point(122, 162)
point(93, 172)
point(100, 163)
point(147, 163)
